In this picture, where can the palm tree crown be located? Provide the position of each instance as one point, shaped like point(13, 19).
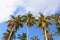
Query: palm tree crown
point(43, 22)
point(29, 19)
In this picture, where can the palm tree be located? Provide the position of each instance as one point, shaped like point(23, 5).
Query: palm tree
point(56, 20)
point(58, 23)
point(30, 21)
point(23, 37)
point(49, 35)
point(43, 22)
point(35, 38)
point(6, 35)
point(14, 24)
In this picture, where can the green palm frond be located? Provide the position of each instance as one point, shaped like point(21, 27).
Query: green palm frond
point(58, 25)
point(41, 15)
point(24, 18)
point(55, 18)
point(57, 34)
point(49, 24)
point(38, 26)
point(6, 35)
point(43, 21)
point(49, 17)
point(14, 24)
point(29, 19)
point(30, 14)
point(16, 21)
point(22, 37)
point(12, 16)
point(35, 38)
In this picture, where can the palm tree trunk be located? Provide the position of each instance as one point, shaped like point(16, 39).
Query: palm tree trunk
point(49, 38)
point(11, 31)
point(27, 33)
point(45, 34)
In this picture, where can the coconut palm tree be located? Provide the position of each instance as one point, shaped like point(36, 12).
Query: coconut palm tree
point(43, 22)
point(14, 24)
point(29, 20)
point(49, 35)
point(35, 38)
point(23, 37)
point(6, 35)
point(56, 20)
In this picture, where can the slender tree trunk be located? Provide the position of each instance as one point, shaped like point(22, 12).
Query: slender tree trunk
point(11, 31)
point(45, 34)
point(27, 33)
point(49, 38)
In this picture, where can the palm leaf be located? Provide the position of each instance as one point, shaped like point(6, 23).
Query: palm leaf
point(23, 37)
point(12, 16)
point(48, 23)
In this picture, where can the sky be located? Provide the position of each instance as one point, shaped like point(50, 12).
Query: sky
point(22, 7)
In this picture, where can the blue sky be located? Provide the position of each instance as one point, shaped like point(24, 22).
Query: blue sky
point(22, 7)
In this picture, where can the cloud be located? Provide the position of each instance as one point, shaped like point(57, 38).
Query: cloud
point(47, 7)
point(8, 7)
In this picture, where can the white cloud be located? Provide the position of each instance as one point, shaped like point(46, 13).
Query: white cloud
point(7, 7)
point(47, 7)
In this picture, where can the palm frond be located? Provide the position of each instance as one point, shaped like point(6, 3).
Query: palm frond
point(6, 35)
point(12, 16)
point(22, 37)
point(48, 23)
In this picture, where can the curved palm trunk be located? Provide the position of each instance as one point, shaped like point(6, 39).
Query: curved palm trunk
point(11, 31)
point(45, 34)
